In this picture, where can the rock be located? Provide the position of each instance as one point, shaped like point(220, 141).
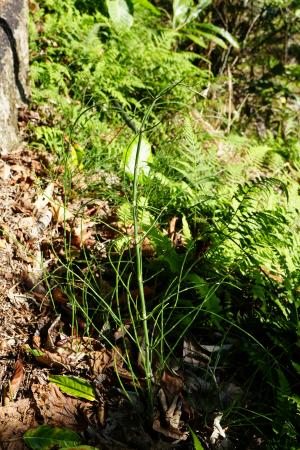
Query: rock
point(14, 63)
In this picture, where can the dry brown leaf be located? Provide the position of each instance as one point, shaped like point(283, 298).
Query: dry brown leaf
point(5, 172)
point(59, 410)
point(102, 360)
point(276, 277)
point(60, 213)
point(44, 219)
point(15, 382)
point(172, 227)
point(52, 334)
point(44, 198)
point(193, 354)
point(15, 419)
point(67, 354)
point(172, 386)
point(82, 232)
point(176, 434)
point(59, 296)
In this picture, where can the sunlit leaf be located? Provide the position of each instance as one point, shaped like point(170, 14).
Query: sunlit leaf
point(120, 14)
point(78, 387)
point(186, 229)
point(181, 10)
point(185, 12)
point(221, 32)
point(145, 157)
point(45, 437)
point(197, 40)
point(148, 5)
point(34, 351)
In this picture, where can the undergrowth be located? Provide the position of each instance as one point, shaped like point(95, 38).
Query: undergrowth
point(206, 242)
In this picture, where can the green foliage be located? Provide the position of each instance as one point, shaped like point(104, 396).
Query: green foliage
point(46, 438)
point(265, 70)
point(231, 263)
point(78, 387)
point(196, 442)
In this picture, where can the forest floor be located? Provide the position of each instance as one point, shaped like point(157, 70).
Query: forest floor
point(21, 313)
point(38, 338)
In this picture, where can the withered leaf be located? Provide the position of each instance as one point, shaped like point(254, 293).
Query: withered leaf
point(16, 381)
point(58, 409)
point(15, 419)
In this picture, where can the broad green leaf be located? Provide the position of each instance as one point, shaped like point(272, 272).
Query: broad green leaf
point(45, 437)
point(296, 367)
point(78, 387)
point(34, 351)
point(76, 155)
point(223, 33)
point(185, 12)
point(81, 447)
point(194, 14)
point(119, 13)
point(181, 10)
point(196, 442)
point(145, 157)
point(196, 39)
point(186, 229)
point(213, 38)
point(148, 5)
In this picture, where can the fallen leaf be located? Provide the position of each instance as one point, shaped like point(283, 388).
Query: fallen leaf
point(67, 357)
point(5, 172)
point(16, 418)
point(44, 198)
point(57, 409)
point(172, 385)
point(60, 212)
point(15, 382)
point(45, 437)
point(81, 447)
point(78, 387)
point(168, 432)
point(217, 429)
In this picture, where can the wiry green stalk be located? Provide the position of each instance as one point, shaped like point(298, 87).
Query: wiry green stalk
point(147, 357)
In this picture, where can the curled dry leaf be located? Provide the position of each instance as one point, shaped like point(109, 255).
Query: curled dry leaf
point(58, 409)
point(15, 382)
point(5, 172)
point(52, 334)
point(60, 212)
point(44, 219)
point(172, 386)
point(82, 232)
point(176, 434)
point(17, 378)
point(44, 198)
point(51, 359)
point(100, 361)
point(59, 296)
point(170, 397)
point(217, 429)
